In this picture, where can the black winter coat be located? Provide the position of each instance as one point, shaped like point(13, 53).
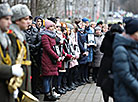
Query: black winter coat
point(33, 39)
point(106, 62)
point(82, 39)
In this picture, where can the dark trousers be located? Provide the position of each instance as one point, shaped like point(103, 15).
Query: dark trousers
point(59, 78)
point(95, 73)
point(71, 76)
point(81, 72)
point(76, 74)
point(86, 71)
point(35, 71)
point(89, 69)
point(65, 78)
point(105, 96)
point(55, 81)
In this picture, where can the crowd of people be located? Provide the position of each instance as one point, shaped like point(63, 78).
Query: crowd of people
point(52, 57)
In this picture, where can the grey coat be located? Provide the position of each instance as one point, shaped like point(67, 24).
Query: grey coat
point(97, 54)
point(125, 69)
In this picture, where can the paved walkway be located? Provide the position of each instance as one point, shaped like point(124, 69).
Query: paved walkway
point(85, 93)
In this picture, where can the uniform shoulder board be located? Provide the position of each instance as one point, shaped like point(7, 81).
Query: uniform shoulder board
point(11, 32)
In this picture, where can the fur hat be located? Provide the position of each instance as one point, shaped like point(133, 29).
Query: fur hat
point(49, 23)
point(20, 11)
point(5, 10)
point(131, 26)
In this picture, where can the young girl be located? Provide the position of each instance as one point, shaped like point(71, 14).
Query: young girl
point(49, 58)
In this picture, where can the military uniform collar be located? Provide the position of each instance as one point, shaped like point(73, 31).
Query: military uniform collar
point(4, 40)
point(18, 32)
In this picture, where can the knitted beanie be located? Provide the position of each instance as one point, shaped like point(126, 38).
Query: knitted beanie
point(49, 23)
point(131, 26)
point(85, 19)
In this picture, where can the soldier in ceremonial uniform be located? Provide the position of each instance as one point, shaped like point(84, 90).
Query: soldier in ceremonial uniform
point(8, 68)
point(21, 22)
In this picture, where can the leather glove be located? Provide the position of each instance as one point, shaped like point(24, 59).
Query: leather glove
point(17, 70)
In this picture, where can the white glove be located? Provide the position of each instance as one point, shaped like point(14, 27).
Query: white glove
point(63, 58)
point(17, 70)
point(60, 58)
point(87, 53)
point(15, 93)
point(61, 41)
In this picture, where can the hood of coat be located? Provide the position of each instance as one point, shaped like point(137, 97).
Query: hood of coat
point(124, 41)
point(35, 20)
point(49, 33)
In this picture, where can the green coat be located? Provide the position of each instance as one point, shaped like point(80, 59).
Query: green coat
point(27, 69)
point(5, 74)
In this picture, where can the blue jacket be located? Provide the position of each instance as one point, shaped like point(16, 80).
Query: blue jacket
point(90, 49)
point(125, 74)
point(81, 40)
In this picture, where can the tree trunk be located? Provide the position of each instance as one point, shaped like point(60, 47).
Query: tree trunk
point(15, 2)
point(23, 1)
point(37, 6)
point(33, 7)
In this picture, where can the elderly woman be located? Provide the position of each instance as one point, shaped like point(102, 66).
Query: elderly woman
point(97, 56)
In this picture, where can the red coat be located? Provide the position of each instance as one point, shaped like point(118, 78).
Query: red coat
point(48, 68)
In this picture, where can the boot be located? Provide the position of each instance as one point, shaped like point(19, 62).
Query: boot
point(87, 80)
point(63, 89)
point(72, 86)
point(83, 80)
point(60, 91)
point(76, 84)
point(49, 97)
point(67, 88)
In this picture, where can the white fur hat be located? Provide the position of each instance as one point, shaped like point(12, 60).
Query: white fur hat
point(5, 10)
point(20, 11)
